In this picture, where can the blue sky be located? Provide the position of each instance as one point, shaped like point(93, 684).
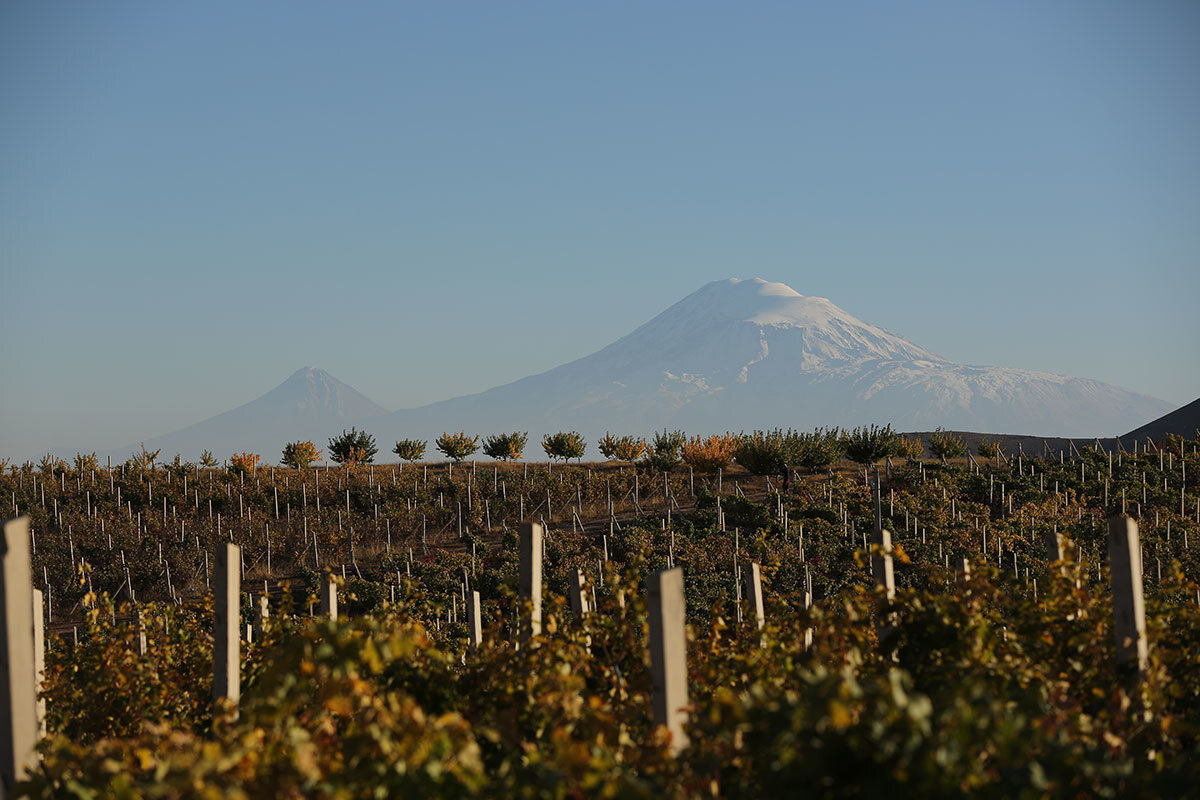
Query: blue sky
point(430, 199)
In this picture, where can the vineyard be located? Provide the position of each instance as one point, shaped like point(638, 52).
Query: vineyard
point(922, 626)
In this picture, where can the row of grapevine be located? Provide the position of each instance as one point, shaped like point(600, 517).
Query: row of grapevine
point(802, 674)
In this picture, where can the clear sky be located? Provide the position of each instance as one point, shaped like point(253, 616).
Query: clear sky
point(429, 199)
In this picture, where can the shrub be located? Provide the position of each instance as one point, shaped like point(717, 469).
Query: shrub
point(564, 445)
point(300, 454)
point(144, 459)
point(912, 449)
point(944, 444)
point(666, 450)
point(322, 719)
point(410, 450)
point(124, 691)
point(353, 447)
point(777, 452)
point(621, 448)
point(505, 446)
point(762, 453)
point(814, 451)
point(243, 463)
point(85, 462)
point(870, 444)
point(50, 463)
point(607, 445)
point(711, 454)
point(988, 447)
point(456, 446)
point(178, 467)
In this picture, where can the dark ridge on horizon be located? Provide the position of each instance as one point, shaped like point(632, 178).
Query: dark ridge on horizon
point(1184, 421)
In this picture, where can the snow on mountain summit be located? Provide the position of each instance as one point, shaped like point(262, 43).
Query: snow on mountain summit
point(811, 330)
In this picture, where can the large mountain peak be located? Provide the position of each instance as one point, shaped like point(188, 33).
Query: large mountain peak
point(758, 314)
point(750, 353)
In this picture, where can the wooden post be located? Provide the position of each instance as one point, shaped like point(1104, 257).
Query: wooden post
point(329, 603)
point(227, 634)
point(474, 622)
point(530, 566)
point(579, 598)
point(1129, 610)
point(668, 653)
point(754, 593)
point(18, 682)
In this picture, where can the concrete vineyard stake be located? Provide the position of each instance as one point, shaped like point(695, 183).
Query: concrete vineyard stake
point(474, 622)
point(579, 598)
point(18, 706)
point(754, 594)
point(39, 658)
point(227, 625)
point(1129, 609)
point(329, 601)
point(530, 558)
point(668, 653)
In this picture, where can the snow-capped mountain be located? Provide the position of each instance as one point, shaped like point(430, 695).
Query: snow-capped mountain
point(311, 404)
point(743, 354)
point(735, 355)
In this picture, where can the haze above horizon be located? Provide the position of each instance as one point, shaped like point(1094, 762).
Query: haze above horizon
point(431, 201)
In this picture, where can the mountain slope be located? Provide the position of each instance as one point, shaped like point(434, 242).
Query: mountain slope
point(311, 404)
point(1183, 421)
point(740, 354)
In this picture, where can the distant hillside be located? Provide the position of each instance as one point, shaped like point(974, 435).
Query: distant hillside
point(1182, 421)
point(1014, 443)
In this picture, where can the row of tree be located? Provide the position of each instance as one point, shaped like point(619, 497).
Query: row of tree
point(761, 452)
point(770, 452)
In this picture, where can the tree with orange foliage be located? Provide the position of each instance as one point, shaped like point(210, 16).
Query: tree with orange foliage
point(243, 463)
point(711, 454)
point(300, 454)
